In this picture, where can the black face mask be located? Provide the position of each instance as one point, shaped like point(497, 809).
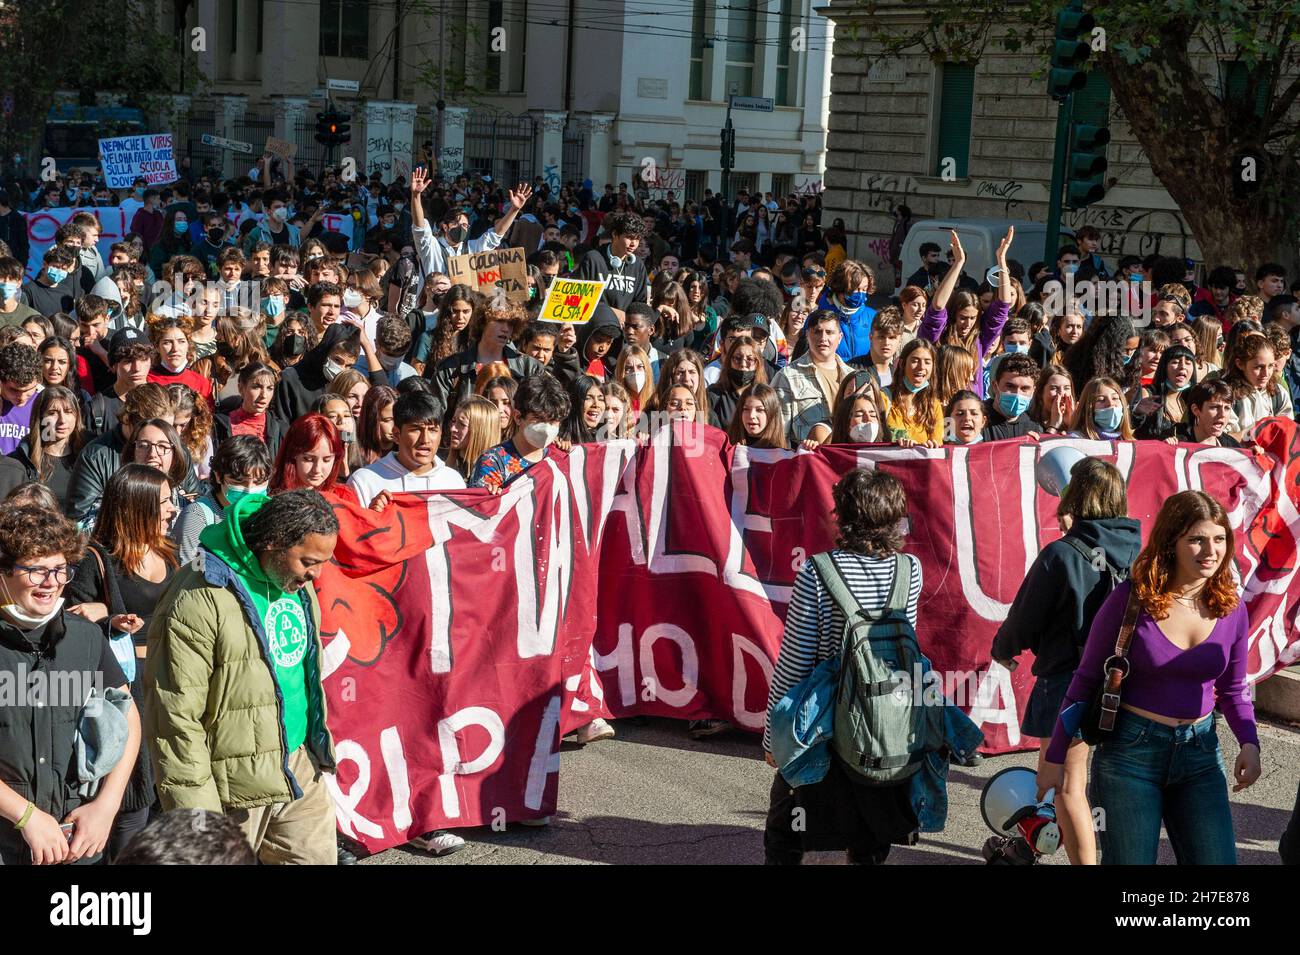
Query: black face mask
point(739, 378)
point(456, 234)
point(295, 345)
point(215, 236)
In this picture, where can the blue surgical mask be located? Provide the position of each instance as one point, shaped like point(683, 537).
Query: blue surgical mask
point(1178, 389)
point(1013, 406)
point(791, 289)
point(1013, 348)
point(8, 290)
point(855, 299)
point(907, 383)
point(56, 275)
point(1108, 419)
point(1135, 276)
point(235, 494)
point(1071, 267)
point(274, 306)
point(1128, 358)
point(180, 227)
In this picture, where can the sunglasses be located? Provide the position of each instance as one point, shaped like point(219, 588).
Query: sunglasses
point(814, 273)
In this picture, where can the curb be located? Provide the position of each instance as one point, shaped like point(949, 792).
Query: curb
point(1279, 696)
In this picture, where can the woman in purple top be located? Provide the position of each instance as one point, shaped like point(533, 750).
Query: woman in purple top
point(1187, 658)
point(967, 329)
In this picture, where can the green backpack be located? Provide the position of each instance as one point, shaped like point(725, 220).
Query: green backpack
point(882, 726)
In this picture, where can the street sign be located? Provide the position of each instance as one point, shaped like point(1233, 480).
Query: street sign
point(758, 104)
point(222, 143)
point(344, 86)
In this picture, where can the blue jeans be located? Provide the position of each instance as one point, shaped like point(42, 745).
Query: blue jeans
point(1147, 772)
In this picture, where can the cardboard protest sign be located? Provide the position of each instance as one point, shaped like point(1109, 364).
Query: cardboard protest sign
point(572, 300)
point(281, 147)
point(503, 269)
point(125, 158)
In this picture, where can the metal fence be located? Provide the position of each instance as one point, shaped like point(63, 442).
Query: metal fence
point(501, 145)
point(253, 128)
point(571, 163)
point(201, 120)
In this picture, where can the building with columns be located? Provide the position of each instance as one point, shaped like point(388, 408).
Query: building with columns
point(611, 90)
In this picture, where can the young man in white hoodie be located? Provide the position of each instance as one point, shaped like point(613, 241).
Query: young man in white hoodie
point(413, 463)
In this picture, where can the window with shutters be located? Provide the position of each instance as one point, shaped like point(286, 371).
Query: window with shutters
point(697, 51)
point(956, 97)
point(1234, 78)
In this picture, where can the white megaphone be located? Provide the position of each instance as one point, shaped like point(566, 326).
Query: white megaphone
point(1010, 807)
point(1054, 467)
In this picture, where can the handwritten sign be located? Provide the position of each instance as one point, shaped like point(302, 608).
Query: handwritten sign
point(572, 300)
point(126, 158)
point(500, 269)
point(281, 147)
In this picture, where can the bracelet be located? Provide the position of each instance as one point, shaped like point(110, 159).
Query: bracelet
point(27, 815)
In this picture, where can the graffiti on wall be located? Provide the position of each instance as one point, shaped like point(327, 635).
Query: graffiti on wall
point(1007, 191)
point(884, 191)
point(1140, 232)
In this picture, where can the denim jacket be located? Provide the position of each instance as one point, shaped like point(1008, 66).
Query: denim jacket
point(802, 723)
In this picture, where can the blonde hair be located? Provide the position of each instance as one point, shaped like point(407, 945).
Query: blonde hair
point(1083, 423)
point(954, 370)
point(620, 374)
point(484, 432)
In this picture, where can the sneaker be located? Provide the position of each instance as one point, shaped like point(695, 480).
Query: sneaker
point(536, 823)
point(699, 729)
point(594, 731)
point(439, 842)
point(345, 854)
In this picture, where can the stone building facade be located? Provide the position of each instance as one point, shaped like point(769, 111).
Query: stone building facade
point(889, 130)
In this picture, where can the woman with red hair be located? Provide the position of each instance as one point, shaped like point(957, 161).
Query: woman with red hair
point(1186, 641)
point(312, 456)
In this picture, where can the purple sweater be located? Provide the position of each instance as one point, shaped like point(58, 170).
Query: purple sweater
point(936, 319)
point(1179, 684)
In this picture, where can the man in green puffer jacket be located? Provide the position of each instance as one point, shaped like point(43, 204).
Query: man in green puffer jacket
point(234, 709)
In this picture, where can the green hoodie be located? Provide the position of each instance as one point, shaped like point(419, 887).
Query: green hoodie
point(284, 616)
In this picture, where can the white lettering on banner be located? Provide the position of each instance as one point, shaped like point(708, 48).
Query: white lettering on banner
point(452, 764)
point(682, 696)
point(741, 520)
point(617, 454)
point(572, 684)
point(621, 658)
point(627, 502)
point(41, 226)
point(390, 746)
point(964, 530)
point(537, 630)
point(333, 655)
point(345, 804)
point(740, 648)
point(662, 562)
point(995, 702)
point(545, 760)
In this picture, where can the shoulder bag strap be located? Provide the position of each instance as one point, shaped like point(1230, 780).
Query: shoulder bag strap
point(1117, 667)
point(833, 580)
point(902, 583)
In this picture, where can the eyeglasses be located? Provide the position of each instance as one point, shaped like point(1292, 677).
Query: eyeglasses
point(150, 447)
point(37, 576)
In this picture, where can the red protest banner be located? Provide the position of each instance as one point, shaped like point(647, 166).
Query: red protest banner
point(465, 633)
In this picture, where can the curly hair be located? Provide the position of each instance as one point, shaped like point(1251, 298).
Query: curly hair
point(20, 364)
point(1100, 352)
point(625, 223)
point(287, 518)
point(1153, 571)
point(196, 433)
point(28, 532)
point(870, 506)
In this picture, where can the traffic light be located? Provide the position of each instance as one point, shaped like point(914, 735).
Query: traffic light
point(342, 131)
point(1069, 52)
point(728, 148)
point(1086, 182)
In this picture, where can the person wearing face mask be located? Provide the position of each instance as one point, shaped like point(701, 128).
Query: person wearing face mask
point(13, 311)
point(860, 412)
point(453, 227)
point(301, 384)
point(1102, 413)
point(51, 290)
point(743, 366)
point(174, 241)
point(392, 341)
point(1158, 416)
point(1008, 407)
point(1016, 340)
point(847, 288)
point(540, 405)
point(241, 466)
point(275, 229)
point(39, 550)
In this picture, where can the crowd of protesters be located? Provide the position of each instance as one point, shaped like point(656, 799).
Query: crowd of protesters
point(196, 403)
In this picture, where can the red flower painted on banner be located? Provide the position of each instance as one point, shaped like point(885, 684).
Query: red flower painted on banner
point(1268, 536)
point(368, 615)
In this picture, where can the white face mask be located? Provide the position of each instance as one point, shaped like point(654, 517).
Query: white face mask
point(389, 362)
point(638, 380)
point(865, 433)
point(24, 620)
point(541, 435)
point(331, 369)
point(351, 298)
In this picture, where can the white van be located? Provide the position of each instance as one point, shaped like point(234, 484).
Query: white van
point(979, 239)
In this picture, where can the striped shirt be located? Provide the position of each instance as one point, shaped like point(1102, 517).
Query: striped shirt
point(814, 625)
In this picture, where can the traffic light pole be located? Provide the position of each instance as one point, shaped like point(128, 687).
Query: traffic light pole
point(1060, 157)
point(728, 155)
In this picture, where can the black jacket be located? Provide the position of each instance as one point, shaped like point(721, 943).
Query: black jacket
point(627, 282)
point(603, 319)
point(301, 384)
point(998, 427)
point(1062, 592)
point(455, 376)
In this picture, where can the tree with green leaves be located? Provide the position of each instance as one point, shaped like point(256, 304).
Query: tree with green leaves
point(1209, 90)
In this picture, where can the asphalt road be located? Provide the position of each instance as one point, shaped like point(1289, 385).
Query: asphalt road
point(655, 797)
